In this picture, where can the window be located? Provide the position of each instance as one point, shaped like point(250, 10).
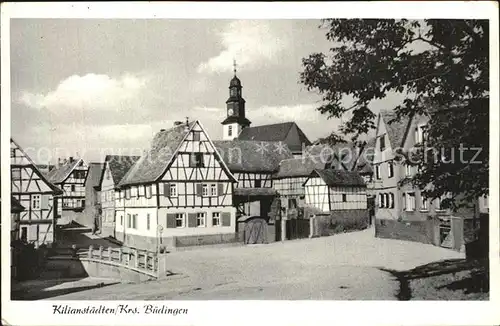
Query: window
point(173, 190)
point(230, 130)
point(204, 190)
point(420, 134)
point(12, 152)
point(35, 202)
point(424, 206)
point(439, 204)
point(129, 221)
point(72, 188)
point(391, 200)
point(258, 183)
point(232, 91)
point(377, 171)
point(196, 161)
point(134, 221)
point(148, 222)
point(213, 190)
point(344, 197)
point(147, 191)
point(382, 142)
point(179, 220)
point(200, 219)
point(380, 200)
point(410, 201)
point(408, 170)
point(108, 175)
point(196, 135)
point(140, 191)
point(215, 219)
point(390, 167)
point(121, 220)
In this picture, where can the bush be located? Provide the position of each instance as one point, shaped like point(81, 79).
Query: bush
point(340, 222)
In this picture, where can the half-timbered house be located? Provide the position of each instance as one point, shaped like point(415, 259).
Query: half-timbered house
point(115, 168)
point(178, 193)
point(92, 199)
point(36, 194)
point(253, 164)
point(70, 176)
point(337, 191)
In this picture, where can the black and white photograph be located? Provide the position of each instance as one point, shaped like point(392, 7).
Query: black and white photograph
point(159, 160)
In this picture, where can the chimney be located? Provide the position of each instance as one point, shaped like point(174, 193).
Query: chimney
point(71, 159)
point(177, 123)
point(162, 130)
point(186, 127)
point(59, 162)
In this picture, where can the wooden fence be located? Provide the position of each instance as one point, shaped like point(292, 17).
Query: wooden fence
point(132, 258)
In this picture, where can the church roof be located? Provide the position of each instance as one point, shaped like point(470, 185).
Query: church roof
point(287, 132)
point(235, 82)
point(241, 120)
point(251, 155)
point(339, 177)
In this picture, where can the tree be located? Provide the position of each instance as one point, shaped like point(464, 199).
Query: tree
point(441, 67)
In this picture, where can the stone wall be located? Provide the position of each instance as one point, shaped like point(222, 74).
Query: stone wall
point(171, 243)
point(341, 221)
point(419, 231)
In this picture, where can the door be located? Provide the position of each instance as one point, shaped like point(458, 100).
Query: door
point(255, 231)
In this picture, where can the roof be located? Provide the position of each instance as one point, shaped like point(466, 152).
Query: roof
point(340, 177)
point(60, 174)
point(299, 167)
point(254, 192)
point(396, 129)
point(287, 132)
point(119, 166)
point(37, 171)
point(153, 164)
point(252, 156)
point(15, 205)
point(232, 119)
point(94, 175)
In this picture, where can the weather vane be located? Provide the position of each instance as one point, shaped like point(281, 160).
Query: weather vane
point(234, 66)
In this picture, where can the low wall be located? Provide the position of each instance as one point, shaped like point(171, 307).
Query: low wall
point(341, 221)
point(419, 231)
point(171, 243)
point(84, 267)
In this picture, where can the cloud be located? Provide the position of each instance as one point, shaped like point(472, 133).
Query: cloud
point(249, 42)
point(89, 92)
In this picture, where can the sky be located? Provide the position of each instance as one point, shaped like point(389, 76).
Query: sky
point(91, 87)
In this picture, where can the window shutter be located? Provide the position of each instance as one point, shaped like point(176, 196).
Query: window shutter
point(226, 219)
point(44, 202)
point(191, 220)
point(166, 189)
point(198, 189)
point(220, 189)
point(170, 220)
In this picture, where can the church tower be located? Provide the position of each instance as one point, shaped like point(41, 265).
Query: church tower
point(235, 104)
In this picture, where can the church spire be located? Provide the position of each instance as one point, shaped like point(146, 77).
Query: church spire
point(234, 67)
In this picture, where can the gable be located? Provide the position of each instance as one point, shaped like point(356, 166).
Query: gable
point(28, 170)
point(197, 145)
point(296, 139)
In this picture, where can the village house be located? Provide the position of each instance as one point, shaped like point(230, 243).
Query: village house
point(114, 169)
point(403, 201)
point(179, 193)
point(337, 192)
point(70, 176)
point(253, 164)
point(36, 194)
